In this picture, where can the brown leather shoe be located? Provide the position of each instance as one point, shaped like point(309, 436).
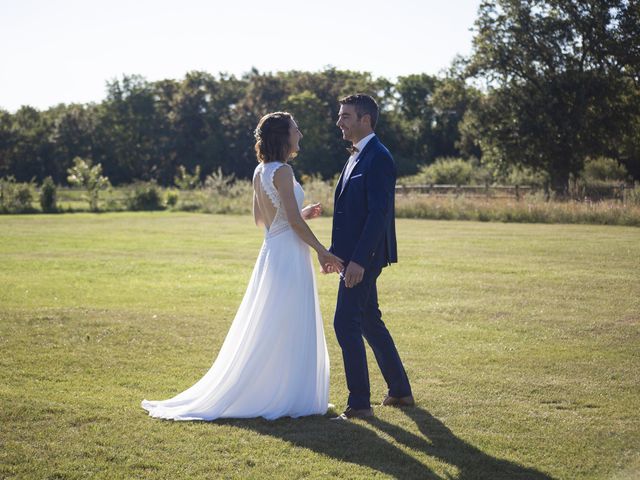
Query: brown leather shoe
point(390, 401)
point(350, 413)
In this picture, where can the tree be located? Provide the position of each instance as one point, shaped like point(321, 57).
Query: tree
point(311, 115)
point(328, 86)
point(430, 110)
point(451, 100)
point(72, 136)
point(145, 130)
point(415, 93)
point(126, 130)
point(196, 123)
point(90, 177)
point(562, 78)
point(8, 136)
point(30, 147)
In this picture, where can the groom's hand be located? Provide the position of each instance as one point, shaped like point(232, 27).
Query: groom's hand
point(353, 274)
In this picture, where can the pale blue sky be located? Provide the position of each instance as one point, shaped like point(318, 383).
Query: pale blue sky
point(56, 51)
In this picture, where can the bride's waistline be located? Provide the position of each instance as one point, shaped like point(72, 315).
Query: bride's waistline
point(277, 230)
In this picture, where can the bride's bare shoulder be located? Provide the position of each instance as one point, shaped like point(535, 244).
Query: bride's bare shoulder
point(283, 173)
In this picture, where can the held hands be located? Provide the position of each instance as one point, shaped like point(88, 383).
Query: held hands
point(311, 211)
point(329, 262)
point(353, 274)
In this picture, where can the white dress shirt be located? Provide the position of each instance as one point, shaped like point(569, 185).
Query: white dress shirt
point(353, 158)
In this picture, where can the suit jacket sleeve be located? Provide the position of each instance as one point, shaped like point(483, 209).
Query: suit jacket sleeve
point(380, 184)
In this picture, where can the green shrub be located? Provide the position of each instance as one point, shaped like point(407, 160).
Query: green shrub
point(522, 175)
point(116, 199)
point(220, 194)
point(219, 183)
point(24, 196)
point(48, 196)
point(219, 197)
point(171, 198)
point(603, 169)
point(15, 197)
point(145, 196)
point(480, 174)
point(187, 181)
point(447, 171)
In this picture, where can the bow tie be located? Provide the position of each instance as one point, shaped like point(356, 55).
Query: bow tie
point(352, 150)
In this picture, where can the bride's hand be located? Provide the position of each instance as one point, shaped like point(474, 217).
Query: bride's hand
point(311, 211)
point(329, 262)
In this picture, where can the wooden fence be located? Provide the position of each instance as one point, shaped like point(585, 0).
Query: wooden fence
point(599, 192)
point(494, 191)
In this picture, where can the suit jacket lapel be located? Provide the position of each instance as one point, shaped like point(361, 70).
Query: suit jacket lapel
point(339, 190)
point(344, 170)
point(339, 184)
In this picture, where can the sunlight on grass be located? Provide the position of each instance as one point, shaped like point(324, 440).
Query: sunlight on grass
point(521, 342)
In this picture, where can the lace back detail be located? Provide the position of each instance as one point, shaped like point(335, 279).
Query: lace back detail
point(267, 172)
point(266, 180)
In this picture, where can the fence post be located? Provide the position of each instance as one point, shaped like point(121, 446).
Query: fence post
point(517, 192)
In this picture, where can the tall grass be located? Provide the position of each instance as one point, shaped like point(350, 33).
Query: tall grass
point(236, 198)
point(530, 209)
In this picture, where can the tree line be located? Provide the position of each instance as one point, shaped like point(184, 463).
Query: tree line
point(549, 84)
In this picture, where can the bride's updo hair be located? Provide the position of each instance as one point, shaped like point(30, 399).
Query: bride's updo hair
point(272, 137)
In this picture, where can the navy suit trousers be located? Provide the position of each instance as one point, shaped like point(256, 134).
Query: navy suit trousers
point(357, 316)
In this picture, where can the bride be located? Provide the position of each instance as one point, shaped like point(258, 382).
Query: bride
point(274, 361)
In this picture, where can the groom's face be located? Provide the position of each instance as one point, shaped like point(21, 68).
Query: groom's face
point(353, 128)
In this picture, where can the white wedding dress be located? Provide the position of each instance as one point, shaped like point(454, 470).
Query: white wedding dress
point(274, 361)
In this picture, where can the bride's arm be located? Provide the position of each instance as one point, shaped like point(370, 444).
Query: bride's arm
point(283, 180)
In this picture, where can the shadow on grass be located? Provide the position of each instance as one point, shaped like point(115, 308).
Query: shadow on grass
point(368, 444)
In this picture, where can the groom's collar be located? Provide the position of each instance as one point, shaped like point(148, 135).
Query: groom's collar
point(363, 141)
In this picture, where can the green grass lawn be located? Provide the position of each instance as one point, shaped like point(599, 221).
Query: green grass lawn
point(522, 343)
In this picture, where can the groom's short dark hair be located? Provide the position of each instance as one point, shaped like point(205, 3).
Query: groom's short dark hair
point(365, 105)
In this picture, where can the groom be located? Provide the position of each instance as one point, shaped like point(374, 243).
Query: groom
point(364, 237)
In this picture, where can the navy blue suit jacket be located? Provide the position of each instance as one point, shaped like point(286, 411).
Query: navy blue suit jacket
point(364, 211)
